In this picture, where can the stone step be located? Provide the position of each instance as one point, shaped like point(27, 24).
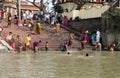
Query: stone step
point(4, 49)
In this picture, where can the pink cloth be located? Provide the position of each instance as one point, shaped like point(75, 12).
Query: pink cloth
point(12, 45)
point(1, 38)
point(65, 21)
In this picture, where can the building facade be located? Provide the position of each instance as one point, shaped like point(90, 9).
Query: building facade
point(96, 1)
point(11, 6)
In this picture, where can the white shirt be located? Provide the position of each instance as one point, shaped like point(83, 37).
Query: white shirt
point(98, 36)
point(98, 33)
point(9, 37)
point(24, 16)
point(0, 29)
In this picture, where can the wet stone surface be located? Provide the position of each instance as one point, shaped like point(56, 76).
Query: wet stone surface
point(60, 65)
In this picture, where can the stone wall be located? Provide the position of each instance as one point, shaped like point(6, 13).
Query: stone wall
point(94, 24)
point(86, 24)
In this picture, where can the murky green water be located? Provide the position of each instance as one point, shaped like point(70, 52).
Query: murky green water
point(60, 65)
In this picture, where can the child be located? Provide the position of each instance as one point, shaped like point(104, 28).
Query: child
point(66, 46)
point(12, 42)
point(9, 21)
point(46, 46)
point(111, 47)
point(57, 27)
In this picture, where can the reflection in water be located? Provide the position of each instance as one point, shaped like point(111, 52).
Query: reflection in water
point(60, 65)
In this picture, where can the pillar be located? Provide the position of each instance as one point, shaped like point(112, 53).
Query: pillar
point(19, 15)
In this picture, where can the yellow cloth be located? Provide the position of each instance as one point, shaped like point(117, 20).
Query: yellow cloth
point(38, 28)
point(27, 40)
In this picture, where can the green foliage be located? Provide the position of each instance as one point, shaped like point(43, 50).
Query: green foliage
point(2, 4)
point(53, 1)
point(58, 8)
point(115, 15)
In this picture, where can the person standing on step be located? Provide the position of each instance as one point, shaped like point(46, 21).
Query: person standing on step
point(70, 41)
point(27, 42)
point(1, 30)
point(38, 28)
point(84, 38)
point(19, 43)
point(9, 19)
point(57, 27)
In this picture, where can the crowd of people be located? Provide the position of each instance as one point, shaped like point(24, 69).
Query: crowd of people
point(17, 43)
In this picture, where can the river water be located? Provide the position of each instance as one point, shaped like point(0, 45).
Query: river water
point(60, 65)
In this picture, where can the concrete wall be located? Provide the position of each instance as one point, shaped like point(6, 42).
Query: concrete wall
point(87, 13)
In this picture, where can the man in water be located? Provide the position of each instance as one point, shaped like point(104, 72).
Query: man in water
point(35, 46)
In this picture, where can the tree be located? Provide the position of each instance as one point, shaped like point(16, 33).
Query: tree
point(17, 5)
point(41, 4)
point(58, 8)
point(2, 4)
point(115, 15)
point(80, 3)
point(115, 27)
